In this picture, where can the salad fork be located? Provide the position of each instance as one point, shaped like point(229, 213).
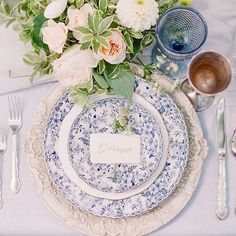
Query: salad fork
point(3, 147)
point(15, 124)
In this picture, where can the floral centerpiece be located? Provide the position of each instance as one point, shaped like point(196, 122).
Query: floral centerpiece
point(87, 45)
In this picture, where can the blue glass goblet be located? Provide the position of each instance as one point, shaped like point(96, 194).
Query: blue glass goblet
point(180, 33)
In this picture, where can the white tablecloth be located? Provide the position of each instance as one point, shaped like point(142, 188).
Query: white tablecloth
point(25, 214)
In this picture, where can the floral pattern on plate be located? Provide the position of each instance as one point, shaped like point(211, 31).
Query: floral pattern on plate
point(100, 119)
point(149, 198)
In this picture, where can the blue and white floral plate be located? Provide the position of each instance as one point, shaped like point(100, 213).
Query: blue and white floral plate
point(97, 179)
point(150, 197)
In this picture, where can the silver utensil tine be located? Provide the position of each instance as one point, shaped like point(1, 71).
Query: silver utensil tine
point(10, 107)
point(18, 107)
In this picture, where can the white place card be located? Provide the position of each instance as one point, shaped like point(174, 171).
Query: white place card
point(114, 148)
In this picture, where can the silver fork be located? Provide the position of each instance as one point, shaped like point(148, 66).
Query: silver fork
point(15, 124)
point(3, 147)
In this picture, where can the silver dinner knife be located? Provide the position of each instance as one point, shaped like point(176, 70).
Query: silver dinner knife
point(221, 211)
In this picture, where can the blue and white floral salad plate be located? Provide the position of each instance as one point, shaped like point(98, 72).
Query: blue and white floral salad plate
point(155, 192)
point(97, 179)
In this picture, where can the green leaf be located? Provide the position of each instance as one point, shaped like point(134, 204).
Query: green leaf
point(103, 5)
point(97, 17)
point(35, 34)
point(84, 30)
point(79, 3)
point(31, 58)
point(96, 46)
point(110, 69)
point(85, 46)
point(102, 40)
point(135, 34)
point(124, 84)
point(87, 38)
point(91, 22)
point(101, 66)
point(105, 23)
point(105, 34)
point(88, 86)
point(129, 41)
point(100, 80)
point(79, 96)
point(147, 40)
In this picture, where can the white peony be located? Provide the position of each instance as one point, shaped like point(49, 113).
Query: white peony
point(54, 35)
point(138, 15)
point(116, 52)
point(74, 67)
point(78, 17)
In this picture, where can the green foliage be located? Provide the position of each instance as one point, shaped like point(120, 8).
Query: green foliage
point(36, 32)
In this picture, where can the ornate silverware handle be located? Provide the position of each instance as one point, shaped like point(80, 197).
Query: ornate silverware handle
point(221, 211)
point(15, 181)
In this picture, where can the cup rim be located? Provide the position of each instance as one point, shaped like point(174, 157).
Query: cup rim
point(215, 52)
point(190, 9)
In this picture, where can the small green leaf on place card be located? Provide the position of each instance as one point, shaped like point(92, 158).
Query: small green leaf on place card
point(124, 84)
point(103, 5)
point(105, 23)
point(100, 80)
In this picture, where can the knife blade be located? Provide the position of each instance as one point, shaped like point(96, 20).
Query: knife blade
point(221, 211)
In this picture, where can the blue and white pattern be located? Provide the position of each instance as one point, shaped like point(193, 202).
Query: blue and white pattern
point(149, 198)
point(100, 119)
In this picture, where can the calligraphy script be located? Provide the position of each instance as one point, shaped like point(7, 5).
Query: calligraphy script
point(114, 148)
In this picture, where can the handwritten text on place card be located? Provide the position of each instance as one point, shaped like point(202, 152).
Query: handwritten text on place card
point(114, 148)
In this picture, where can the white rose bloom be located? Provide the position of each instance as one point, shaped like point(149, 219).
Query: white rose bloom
point(74, 66)
point(116, 52)
point(138, 15)
point(78, 17)
point(54, 35)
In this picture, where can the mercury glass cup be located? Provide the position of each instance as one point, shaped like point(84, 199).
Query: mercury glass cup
point(180, 33)
point(209, 73)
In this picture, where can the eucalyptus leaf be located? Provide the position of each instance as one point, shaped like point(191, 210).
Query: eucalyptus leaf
point(124, 84)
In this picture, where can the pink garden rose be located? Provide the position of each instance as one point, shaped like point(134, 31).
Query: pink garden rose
point(116, 52)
